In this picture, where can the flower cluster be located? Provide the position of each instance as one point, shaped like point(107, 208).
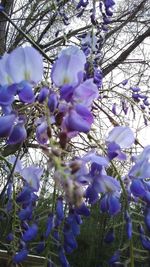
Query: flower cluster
point(16, 81)
point(66, 110)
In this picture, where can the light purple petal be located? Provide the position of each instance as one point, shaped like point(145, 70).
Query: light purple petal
point(25, 63)
point(85, 93)
point(93, 157)
point(122, 136)
point(18, 167)
point(5, 79)
point(68, 67)
point(32, 176)
point(141, 169)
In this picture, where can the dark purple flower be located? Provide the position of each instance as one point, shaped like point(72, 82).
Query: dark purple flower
point(18, 134)
point(66, 92)
point(83, 210)
point(24, 195)
point(114, 109)
point(26, 93)
point(147, 218)
point(74, 223)
point(114, 151)
point(78, 119)
point(6, 96)
point(110, 203)
point(10, 237)
point(49, 225)
point(137, 188)
point(31, 233)
point(109, 237)
point(124, 82)
point(20, 256)
point(41, 131)
point(59, 209)
point(82, 3)
point(69, 238)
point(62, 258)
point(128, 225)
point(135, 89)
point(40, 247)
point(52, 102)
point(43, 94)
point(114, 258)
point(25, 214)
point(6, 124)
point(91, 194)
point(98, 77)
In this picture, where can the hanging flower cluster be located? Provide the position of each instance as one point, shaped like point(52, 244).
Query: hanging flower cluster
point(81, 181)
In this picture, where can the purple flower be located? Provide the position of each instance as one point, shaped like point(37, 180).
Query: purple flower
point(6, 124)
point(82, 3)
point(43, 94)
point(20, 256)
point(124, 82)
point(25, 214)
point(32, 176)
point(25, 195)
point(114, 258)
point(137, 188)
point(52, 102)
point(18, 164)
point(91, 194)
point(69, 67)
point(4, 78)
point(114, 109)
point(85, 93)
point(83, 210)
point(18, 134)
point(59, 209)
point(122, 136)
point(109, 237)
point(69, 238)
point(128, 225)
point(110, 203)
point(31, 233)
point(10, 237)
point(40, 247)
point(49, 225)
point(141, 169)
point(78, 119)
point(41, 131)
point(63, 259)
point(114, 151)
point(28, 65)
point(6, 96)
point(144, 239)
point(25, 92)
point(147, 218)
point(73, 220)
